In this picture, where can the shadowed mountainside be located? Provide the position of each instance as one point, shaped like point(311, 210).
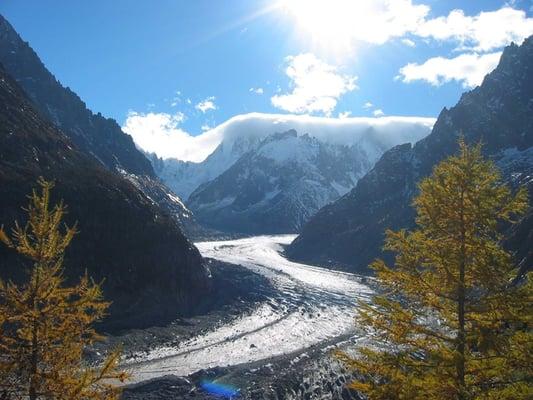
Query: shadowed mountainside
point(349, 233)
point(150, 270)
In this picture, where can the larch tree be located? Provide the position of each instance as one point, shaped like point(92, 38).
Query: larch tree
point(449, 320)
point(45, 325)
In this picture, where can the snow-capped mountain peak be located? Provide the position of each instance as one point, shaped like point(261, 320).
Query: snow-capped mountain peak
point(283, 181)
point(243, 133)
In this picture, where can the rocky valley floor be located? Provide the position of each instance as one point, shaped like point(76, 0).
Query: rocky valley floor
point(272, 336)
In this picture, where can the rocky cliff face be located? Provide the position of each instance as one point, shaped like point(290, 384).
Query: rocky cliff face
point(184, 177)
point(151, 270)
point(93, 134)
point(281, 183)
point(349, 233)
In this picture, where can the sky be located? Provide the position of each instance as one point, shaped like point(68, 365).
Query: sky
point(181, 68)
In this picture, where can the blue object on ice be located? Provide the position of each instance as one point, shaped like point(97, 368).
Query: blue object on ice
point(218, 389)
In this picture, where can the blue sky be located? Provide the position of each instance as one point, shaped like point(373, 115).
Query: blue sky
point(202, 62)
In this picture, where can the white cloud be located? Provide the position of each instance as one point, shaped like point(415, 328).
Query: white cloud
point(160, 133)
point(408, 42)
point(316, 86)
point(205, 127)
point(391, 130)
point(345, 114)
point(368, 105)
point(257, 90)
point(340, 23)
point(469, 69)
point(206, 104)
point(378, 113)
point(477, 37)
point(176, 99)
point(178, 117)
point(483, 32)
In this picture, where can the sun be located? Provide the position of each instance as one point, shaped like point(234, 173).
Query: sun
point(341, 25)
point(333, 24)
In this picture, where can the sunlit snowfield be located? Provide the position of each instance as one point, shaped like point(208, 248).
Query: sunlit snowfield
point(313, 305)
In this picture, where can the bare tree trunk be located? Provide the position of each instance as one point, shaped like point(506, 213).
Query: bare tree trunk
point(33, 364)
point(461, 337)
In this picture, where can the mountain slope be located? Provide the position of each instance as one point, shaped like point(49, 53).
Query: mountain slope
point(243, 133)
point(150, 269)
point(183, 177)
point(278, 185)
point(100, 137)
point(92, 133)
point(499, 113)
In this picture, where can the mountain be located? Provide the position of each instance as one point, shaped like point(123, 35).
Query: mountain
point(349, 233)
point(243, 133)
point(93, 134)
point(149, 268)
point(299, 184)
point(278, 185)
point(183, 177)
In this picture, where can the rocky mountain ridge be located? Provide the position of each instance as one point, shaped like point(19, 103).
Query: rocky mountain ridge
point(93, 134)
point(149, 268)
point(276, 186)
point(243, 133)
point(349, 233)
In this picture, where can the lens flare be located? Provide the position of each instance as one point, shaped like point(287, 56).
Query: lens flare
point(220, 390)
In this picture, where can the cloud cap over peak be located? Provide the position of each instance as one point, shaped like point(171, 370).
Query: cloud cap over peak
point(160, 134)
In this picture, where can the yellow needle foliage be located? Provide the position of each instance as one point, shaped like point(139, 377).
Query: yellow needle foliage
point(448, 321)
point(44, 325)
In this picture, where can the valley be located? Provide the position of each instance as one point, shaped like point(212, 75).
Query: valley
point(252, 217)
point(309, 306)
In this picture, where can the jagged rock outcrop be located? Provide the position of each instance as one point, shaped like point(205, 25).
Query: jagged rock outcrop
point(349, 233)
point(93, 134)
point(281, 183)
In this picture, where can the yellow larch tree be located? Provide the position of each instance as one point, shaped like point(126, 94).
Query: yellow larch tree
point(44, 324)
point(450, 320)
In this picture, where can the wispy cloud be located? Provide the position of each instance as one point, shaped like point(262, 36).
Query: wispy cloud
point(316, 86)
point(408, 42)
point(469, 69)
point(206, 104)
point(368, 105)
point(160, 133)
point(378, 113)
point(258, 90)
point(176, 99)
point(339, 23)
point(477, 37)
point(344, 114)
point(379, 21)
point(484, 32)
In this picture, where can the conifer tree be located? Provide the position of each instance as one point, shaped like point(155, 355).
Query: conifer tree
point(44, 325)
point(449, 321)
